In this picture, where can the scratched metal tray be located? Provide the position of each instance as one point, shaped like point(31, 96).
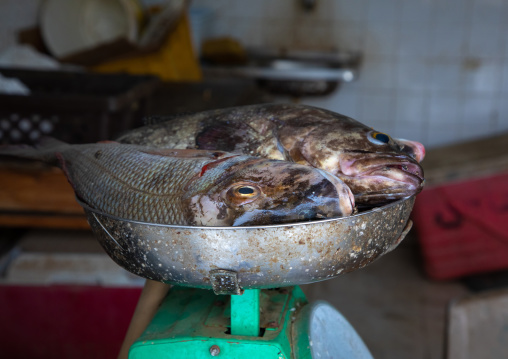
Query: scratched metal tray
point(252, 257)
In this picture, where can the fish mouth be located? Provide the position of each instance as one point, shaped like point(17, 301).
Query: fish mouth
point(379, 179)
point(314, 214)
point(402, 171)
point(303, 213)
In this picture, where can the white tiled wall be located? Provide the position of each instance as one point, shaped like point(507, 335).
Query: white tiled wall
point(434, 70)
point(16, 15)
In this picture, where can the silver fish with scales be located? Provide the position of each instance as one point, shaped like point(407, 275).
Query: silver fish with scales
point(193, 187)
point(376, 167)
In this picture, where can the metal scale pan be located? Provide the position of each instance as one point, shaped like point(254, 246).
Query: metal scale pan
point(229, 259)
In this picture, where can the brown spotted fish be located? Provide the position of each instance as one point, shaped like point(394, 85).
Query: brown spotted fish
point(193, 187)
point(377, 167)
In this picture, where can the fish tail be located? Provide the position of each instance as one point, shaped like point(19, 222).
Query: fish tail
point(46, 150)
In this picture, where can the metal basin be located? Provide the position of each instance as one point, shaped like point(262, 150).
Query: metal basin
point(257, 257)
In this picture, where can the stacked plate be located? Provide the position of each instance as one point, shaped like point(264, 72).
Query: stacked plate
point(72, 26)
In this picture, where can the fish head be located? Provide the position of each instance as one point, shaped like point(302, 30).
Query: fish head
point(377, 167)
point(376, 179)
point(259, 191)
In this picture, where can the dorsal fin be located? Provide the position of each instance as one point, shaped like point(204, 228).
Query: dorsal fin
point(156, 119)
point(285, 153)
point(227, 136)
point(185, 153)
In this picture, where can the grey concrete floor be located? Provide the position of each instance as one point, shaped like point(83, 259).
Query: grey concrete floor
point(397, 311)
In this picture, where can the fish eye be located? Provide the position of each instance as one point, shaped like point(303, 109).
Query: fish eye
point(378, 138)
point(243, 193)
point(246, 190)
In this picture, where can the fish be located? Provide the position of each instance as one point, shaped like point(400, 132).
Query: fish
point(377, 168)
point(192, 187)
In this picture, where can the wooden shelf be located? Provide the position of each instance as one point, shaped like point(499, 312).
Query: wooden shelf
point(462, 161)
point(36, 195)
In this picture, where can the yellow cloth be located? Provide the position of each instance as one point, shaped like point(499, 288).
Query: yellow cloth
point(174, 61)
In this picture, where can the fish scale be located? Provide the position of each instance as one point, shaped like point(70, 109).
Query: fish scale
point(124, 183)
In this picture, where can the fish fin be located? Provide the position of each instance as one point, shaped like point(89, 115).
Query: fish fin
point(285, 153)
point(184, 153)
point(155, 120)
point(109, 142)
point(44, 151)
point(214, 164)
point(227, 136)
point(50, 142)
point(64, 166)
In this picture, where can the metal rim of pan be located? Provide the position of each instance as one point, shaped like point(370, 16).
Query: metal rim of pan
point(303, 223)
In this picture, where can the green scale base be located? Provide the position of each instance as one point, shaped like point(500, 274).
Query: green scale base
point(196, 323)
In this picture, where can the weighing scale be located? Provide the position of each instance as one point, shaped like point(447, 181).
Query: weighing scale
point(236, 293)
